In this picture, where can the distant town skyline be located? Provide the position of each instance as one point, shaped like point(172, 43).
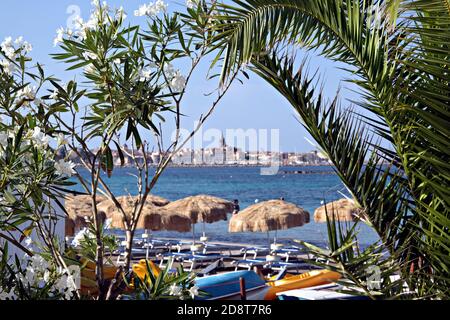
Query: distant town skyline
point(217, 156)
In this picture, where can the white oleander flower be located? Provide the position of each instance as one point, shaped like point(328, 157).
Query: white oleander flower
point(70, 33)
point(90, 68)
point(145, 74)
point(80, 28)
point(78, 22)
point(30, 276)
point(39, 138)
point(61, 140)
point(120, 14)
point(175, 290)
point(178, 83)
point(28, 93)
point(142, 11)
point(7, 66)
point(92, 23)
point(90, 56)
point(78, 237)
point(80, 34)
point(169, 70)
point(27, 47)
point(54, 95)
point(59, 36)
point(76, 242)
point(98, 16)
point(7, 42)
point(19, 41)
point(193, 291)
point(64, 168)
point(65, 286)
point(191, 3)
point(8, 48)
point(23, 45)
point(160, 5)
point(151, 9)
point(38, 263)
point(71, 283)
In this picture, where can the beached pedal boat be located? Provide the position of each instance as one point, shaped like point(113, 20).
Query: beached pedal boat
point(88, 277)
point(226, 286)
point(304, 280)
point(322, 292)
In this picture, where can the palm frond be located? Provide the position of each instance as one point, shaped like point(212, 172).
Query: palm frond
point(347, 144)
point(402, 67)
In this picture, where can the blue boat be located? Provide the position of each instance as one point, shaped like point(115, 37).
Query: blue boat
point(226, 286)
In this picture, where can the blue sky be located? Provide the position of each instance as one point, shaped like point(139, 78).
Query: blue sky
point(252, 105)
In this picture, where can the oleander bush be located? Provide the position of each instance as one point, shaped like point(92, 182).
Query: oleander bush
point(128, 84)
point(34, 178)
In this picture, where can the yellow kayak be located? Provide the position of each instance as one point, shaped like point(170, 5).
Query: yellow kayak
point(304, 280)
point(140, 269)
point(88, 283)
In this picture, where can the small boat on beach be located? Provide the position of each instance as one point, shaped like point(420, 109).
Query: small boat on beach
point(322, 292)
point(226, 286)
point(88, 283)
point(304, 280)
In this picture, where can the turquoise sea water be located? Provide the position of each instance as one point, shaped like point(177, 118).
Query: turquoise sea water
point(247, 185)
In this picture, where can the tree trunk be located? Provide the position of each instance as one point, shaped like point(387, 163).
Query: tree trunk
point(99, 269)
point(128, 248)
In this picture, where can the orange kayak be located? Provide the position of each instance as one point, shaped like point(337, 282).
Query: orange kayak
point(304, 280)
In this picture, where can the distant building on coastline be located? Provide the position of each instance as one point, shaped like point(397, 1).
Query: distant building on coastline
point(183, 157)
point(215, 156)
